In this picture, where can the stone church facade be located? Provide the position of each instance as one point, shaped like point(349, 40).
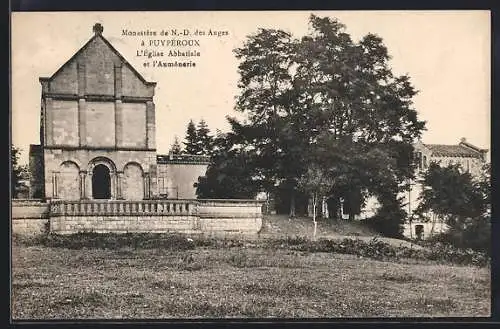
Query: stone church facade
point(97, 134)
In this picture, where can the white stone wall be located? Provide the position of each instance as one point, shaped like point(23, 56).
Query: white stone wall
point(235, 216)
point(132, 184)
point(178, 179)
point(100, 124)
point(133, 125)
point(64, 122)
point(428, 229)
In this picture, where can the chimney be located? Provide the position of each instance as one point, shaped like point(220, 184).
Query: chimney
point(97, 28)
point(463, 140)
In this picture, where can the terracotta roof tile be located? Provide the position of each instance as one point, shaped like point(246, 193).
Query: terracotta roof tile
point(452, 150)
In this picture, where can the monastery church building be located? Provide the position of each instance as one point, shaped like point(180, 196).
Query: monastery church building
point(97, 134)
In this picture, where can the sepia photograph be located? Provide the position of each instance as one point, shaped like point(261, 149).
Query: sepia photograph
point(250, 165)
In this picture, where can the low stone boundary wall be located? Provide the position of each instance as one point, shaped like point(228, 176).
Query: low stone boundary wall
point(119, 216)
point(29, 216)
point(231, 216)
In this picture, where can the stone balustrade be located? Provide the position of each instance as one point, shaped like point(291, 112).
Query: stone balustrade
point(121, 208)
point(170, 215)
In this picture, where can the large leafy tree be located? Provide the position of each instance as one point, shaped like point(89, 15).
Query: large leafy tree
point(462, 201)
point(266, 98)
point(326, 92)
point(453, 195)
point(350, 92)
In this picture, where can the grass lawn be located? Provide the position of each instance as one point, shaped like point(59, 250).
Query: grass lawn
point(57, 283)
point(281, 226)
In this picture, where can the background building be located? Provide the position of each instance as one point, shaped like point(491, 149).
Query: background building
point(471, 159)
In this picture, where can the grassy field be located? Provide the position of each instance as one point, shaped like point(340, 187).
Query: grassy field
point(58, 283)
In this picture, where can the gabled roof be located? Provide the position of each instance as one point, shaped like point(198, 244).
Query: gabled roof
point(475, 148)
point(452, 150)
point(98, 35)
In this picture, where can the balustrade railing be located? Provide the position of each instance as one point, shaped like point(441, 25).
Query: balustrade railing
point(121, 207)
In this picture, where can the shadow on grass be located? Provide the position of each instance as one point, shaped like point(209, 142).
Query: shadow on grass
point(287, 289)
point(92, 299)
point(29, 284)
point(400, 277)
point(243, 260)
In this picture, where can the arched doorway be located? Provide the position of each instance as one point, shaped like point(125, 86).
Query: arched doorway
point(101, 182)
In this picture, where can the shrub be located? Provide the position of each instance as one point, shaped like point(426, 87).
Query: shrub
point(476, 236)
point(377, 249)
point(389, 226)
point(116, 241)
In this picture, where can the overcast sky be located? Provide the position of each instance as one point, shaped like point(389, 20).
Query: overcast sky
point(446, 54)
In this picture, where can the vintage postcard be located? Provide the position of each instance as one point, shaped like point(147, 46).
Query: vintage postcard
point(259, 164)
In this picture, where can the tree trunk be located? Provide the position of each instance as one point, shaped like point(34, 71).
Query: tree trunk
point(340, 209)
point(309, 208)
point(314, 215)
point(292, 204)
point(433, 224)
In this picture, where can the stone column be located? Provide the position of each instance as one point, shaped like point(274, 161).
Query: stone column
point(88, 185)
point(119, 179)
point(54, 184)
point(112, 184)
point(146, 185)
point(83, 194)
